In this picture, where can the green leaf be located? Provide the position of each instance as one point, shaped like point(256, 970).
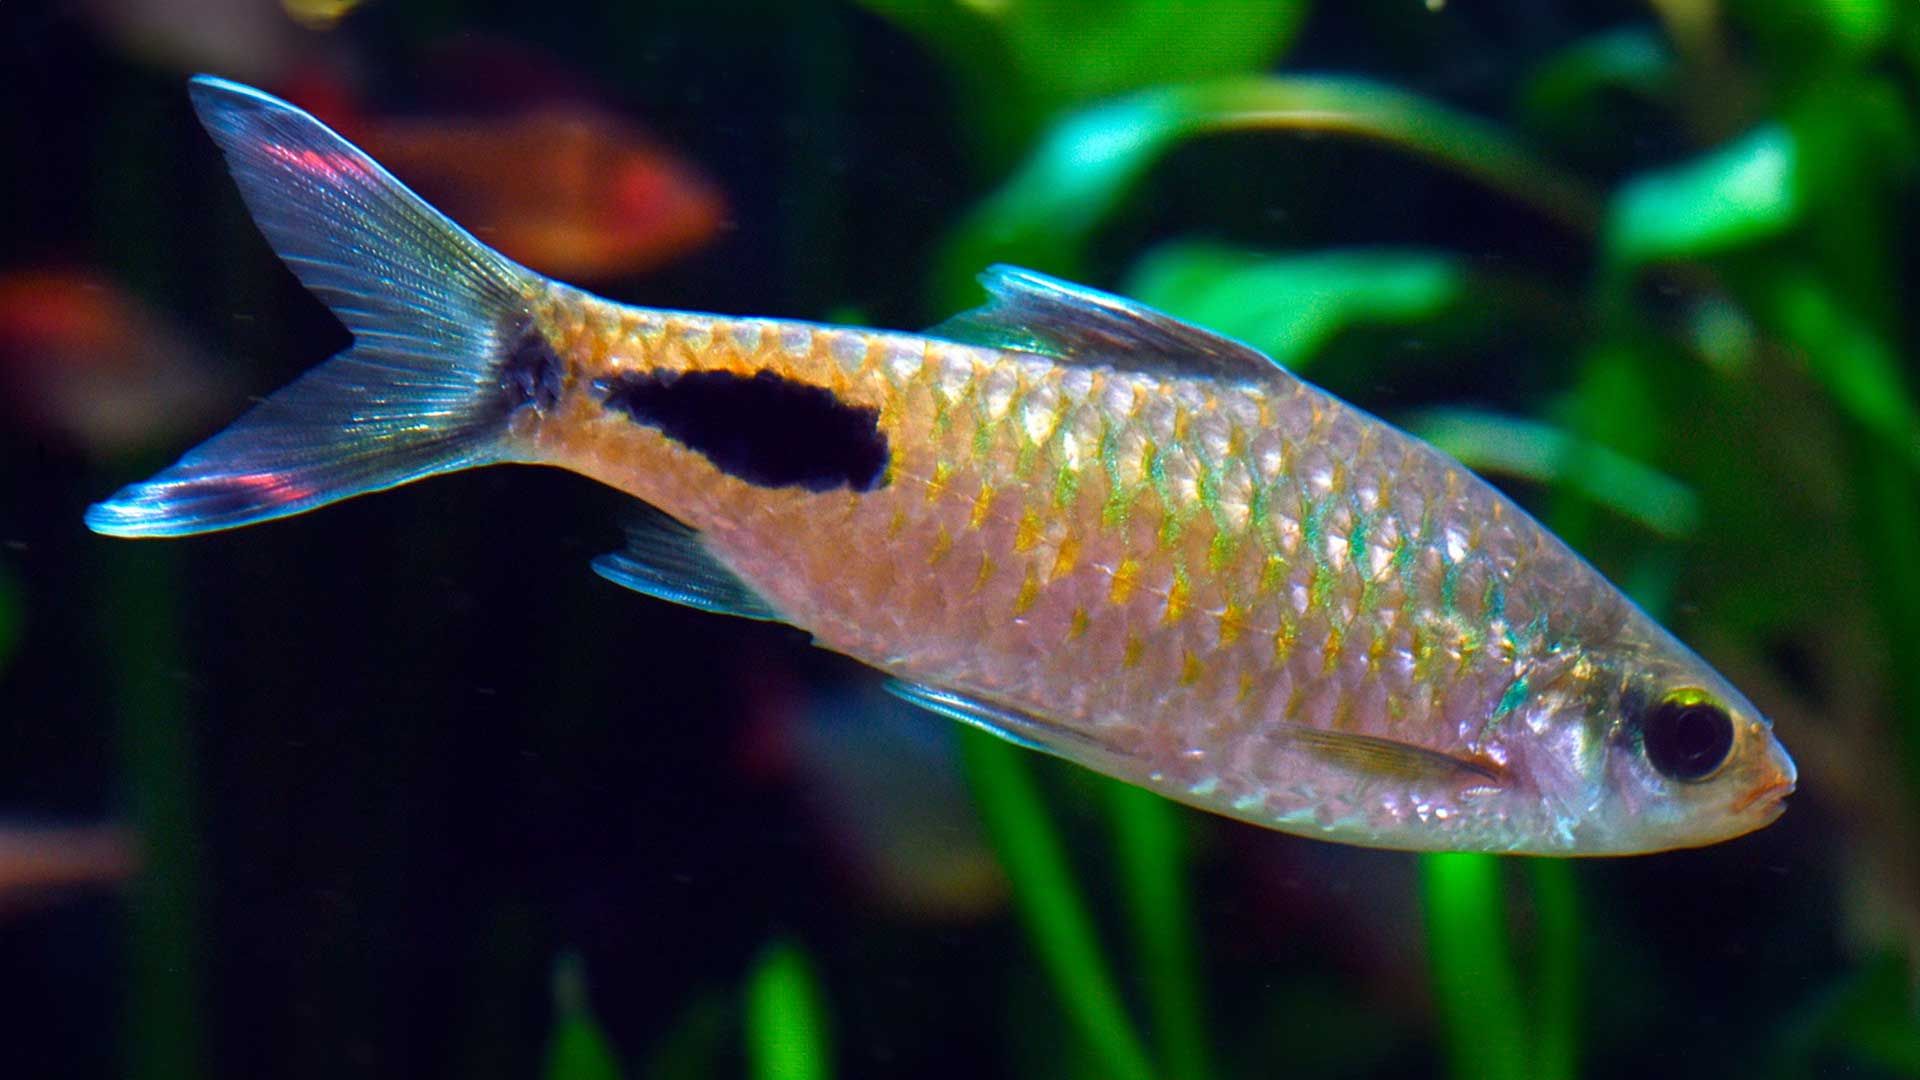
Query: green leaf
point(1046, 212)
point(1857, 367)
point(1558, 937)
point(1291, 306)
point(1570, 90)
point(1150, 848)
point(11, 614)
point(693, 1047)
point(578, 1050)
point(1018, 65)
point(786, 1018)
point(1474, 982)
point(1744, 192)
point(1816, 35)
point(1073, 51)
point(1049, 902)
point(1504, 445)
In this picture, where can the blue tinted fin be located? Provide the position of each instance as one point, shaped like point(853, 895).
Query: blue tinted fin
point(438, 320)
point(666, 559)
point(1032, 312)
point(1018, 728)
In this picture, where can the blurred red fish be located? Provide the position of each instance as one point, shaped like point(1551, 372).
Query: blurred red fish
point(41, 861)
point(84, 362)
point(562, 186)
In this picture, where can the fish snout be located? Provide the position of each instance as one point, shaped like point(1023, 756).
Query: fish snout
point(1775, 778)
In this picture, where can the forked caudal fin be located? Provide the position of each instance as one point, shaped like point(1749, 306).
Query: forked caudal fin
point(432, 374)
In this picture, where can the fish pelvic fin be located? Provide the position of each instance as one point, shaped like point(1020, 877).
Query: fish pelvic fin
point(1370, 755)
point(442, 352)
point(1020, 728)
point(667, 560)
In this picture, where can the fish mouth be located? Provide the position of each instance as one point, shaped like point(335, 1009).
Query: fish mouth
point(1771, 797)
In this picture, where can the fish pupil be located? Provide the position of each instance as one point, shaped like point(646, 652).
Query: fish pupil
point(1687, 740)
point(768, 430)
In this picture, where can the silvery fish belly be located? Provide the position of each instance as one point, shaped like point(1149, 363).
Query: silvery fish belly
point(1063, 517)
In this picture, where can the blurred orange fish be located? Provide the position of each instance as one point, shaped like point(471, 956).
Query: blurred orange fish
point(37, 861)
point(83, 361)
point(563, 186)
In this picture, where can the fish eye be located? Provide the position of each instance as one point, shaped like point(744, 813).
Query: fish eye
point(1687, 736)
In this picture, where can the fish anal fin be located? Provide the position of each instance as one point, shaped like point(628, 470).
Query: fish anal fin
point(1375, 756)
point(1031, 312)
point(1017, 727)
point(667, 560)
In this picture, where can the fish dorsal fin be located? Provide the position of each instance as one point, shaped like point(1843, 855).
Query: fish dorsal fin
point(666, 559)
point(1020, 728)
point(1375, 756)
point(1031, 312)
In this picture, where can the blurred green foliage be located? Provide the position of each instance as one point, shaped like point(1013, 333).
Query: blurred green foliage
point(786, 1018)
point(1744, 292)
point(1017, 65)
point(1050, 903)
point(577, 1049)
point(1046, 212)
point(11, 615)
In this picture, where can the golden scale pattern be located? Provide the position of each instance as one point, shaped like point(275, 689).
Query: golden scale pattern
point(1168, 561)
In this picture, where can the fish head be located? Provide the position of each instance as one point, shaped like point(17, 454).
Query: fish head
point(1639, 746)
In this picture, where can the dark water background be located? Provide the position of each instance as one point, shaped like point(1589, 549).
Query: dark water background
point(394, 758)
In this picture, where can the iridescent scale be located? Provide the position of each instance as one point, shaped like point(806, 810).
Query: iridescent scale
point(1175, 566)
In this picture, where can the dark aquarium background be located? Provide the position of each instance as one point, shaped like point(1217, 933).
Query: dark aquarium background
point(401, 789)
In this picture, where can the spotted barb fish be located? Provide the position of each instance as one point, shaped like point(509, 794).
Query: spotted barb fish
point(1063, 517)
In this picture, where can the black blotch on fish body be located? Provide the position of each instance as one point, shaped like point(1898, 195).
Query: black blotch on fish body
point(531, 373)
point(770, 431)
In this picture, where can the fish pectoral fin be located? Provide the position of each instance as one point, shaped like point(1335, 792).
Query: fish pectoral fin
point(1032, 312)
point(1375, 756)
point(664, 558)
point(1020, 728)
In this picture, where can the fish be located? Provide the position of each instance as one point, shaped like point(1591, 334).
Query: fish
point(1061, 517)
point(86, 364)
point(605, 200)
point(42, 861)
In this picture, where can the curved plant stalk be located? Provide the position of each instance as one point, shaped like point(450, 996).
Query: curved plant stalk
point(163, 1006)
point(1289, 306)
point(11, 615)
point(1044, 214)
point(1050, 903)
point(578, 1049)
point(1557, 967)
point(786, 1018)
point(1506, 445)
point(1475, 984)
point(1150, 837)
point(1292, 305)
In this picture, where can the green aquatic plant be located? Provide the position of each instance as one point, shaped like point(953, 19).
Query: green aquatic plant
point(786, 1018)
point(1050, 903)
point(1758, 254)
point(1017, 65)
point(12, 612)
point(577, 1049)
point(1043, 215)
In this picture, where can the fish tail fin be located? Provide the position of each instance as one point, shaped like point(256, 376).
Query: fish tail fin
point(442, 353)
